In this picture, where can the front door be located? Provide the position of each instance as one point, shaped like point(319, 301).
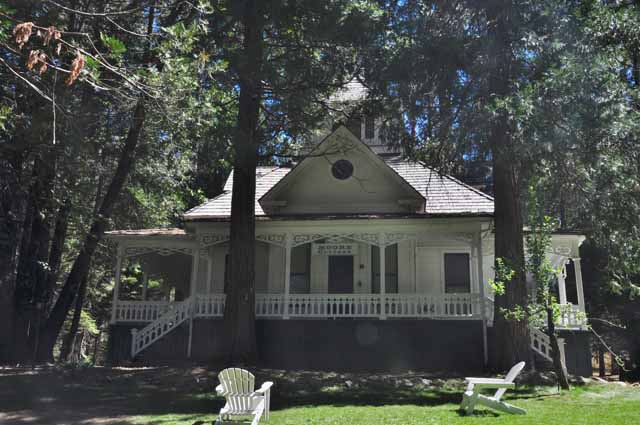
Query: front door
point(340, 274)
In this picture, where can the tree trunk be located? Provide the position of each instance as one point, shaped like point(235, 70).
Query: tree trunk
point(30, 294)
point(96, 344)
point(602, 369)
point(10, 204)
point(512, 343)
point(239, 314)
point(81, 264)
point(69, 339)
point(558, 361)
point(57, 248)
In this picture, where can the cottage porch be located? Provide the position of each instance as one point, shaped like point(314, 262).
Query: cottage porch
point(297, 277)
point(429, 272)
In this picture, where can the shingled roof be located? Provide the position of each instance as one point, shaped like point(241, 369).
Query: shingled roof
point(220, 206)
point(445, 195)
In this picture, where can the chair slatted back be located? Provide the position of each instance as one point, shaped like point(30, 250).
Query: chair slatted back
point(238, 384)
point(513, 373)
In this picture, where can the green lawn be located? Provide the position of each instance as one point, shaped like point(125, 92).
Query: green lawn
point(595, 404)
point(165, 396)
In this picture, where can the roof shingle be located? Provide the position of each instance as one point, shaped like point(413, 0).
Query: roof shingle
point(444, 195)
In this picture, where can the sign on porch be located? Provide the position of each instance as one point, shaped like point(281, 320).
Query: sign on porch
point(334, 249)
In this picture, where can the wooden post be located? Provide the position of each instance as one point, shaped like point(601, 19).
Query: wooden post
point(562, 287)
point(601, 365)
point(116, 286)
point(383, 280)
point(209, 271)
point(579, 288)
point(287, 274)
point(483, 301)
point(192, 294)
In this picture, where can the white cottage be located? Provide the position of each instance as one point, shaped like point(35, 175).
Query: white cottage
point(364, 261)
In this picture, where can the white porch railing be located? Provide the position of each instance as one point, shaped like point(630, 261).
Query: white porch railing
point(209, 305)
point(448, 306)
point(139, 311)
point(271, 306)
point(571, 317)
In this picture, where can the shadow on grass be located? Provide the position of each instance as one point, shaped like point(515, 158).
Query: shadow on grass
point(52, 396)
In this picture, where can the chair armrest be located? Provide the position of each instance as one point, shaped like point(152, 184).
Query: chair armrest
point(485, 380)
point(264, 388)
point(495, 385)
point(219, 389)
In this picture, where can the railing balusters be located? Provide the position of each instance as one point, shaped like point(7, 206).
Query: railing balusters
point(443, 306)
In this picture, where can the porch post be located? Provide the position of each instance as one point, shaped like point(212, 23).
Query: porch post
point(562, 288)
point(287, 274)
point(145, 285)
point(579, 288)
point(209, 271)
point(483, 309)
point(116, 286)
point(383, 281)
point(192, 293)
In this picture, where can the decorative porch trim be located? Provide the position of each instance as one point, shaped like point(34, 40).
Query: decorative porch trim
point(133, 251)
point(304, 238)
point(396, 237)
point(564, 250)
point(208, 239)
point(279, 239)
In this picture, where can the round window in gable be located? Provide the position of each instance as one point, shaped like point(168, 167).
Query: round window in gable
point(342, 169)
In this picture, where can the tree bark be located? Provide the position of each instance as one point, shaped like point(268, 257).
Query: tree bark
point(10, 206)
point(239, 314)
point(512, 343)
point(558, 363)
point(57, 248)
point(69, 339)
point(30, 294)
point(81, 264)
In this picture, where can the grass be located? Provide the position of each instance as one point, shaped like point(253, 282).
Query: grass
point(183, 396)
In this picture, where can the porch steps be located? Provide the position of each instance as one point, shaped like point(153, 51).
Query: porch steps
point(541, 343)
point(176, 314)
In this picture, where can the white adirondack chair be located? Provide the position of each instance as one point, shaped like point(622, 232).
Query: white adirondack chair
point(236, 385)
point(472, 396)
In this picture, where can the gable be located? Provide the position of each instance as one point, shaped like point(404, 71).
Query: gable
point(369, 185)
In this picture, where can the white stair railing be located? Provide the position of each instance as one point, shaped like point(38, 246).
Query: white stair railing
point(541, 343)
point(176, 314)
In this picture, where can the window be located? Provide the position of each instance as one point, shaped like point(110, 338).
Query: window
point(390, 269)
point(457, 277)
point(353, 124)
point(369, 127)
point(300, 267)
point(342, 169)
